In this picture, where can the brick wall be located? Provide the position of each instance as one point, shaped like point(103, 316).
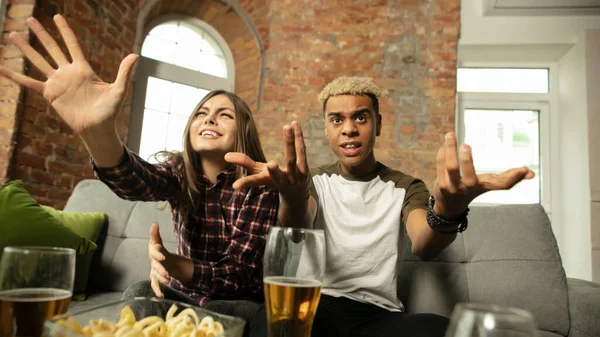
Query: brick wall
point(408, 46)
point(47, 156)
point(10, 94)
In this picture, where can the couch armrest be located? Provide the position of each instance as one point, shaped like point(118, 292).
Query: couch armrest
point(584, 308)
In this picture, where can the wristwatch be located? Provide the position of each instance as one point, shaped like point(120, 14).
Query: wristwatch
point(442, 225)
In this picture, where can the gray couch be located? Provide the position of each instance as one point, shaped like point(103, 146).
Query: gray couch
point(508, 256)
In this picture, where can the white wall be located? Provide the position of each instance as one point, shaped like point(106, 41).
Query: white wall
point(560, 42)
point(592, 50)
point(574, 163)
point(477, 29)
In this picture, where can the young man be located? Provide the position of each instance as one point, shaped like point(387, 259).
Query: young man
point(363, 206)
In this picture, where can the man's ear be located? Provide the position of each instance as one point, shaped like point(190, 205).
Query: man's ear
point(378, 130)
point(326, 132)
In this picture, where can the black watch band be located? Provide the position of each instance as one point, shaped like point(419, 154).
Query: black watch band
point(441, 225)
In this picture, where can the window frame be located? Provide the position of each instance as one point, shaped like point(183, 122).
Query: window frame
point(147, 67)
point(545, 103)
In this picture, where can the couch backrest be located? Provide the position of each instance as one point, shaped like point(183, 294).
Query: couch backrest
point(507, 256)
point(122, 256)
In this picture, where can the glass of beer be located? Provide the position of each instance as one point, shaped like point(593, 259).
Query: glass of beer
point(36, 283)
point(294, 266)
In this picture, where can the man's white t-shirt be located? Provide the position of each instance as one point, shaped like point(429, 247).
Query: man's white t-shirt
point(363, 219)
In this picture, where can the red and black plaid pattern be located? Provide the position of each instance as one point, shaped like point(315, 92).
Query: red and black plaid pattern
point(225, 238)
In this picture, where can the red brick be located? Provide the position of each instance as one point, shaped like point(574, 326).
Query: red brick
point(41, 177)
point(30, 160)
point(57, 193)
point(10, 93)
point(305, 46)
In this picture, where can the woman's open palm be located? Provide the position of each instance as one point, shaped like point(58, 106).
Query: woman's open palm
point(73, 89)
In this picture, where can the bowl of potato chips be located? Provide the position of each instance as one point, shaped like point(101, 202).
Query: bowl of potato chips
point(144, 317)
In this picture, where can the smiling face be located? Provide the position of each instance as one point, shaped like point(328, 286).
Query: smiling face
point(213, 128)
point(351, 125)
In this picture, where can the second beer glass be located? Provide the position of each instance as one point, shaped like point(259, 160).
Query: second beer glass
point(294, 266)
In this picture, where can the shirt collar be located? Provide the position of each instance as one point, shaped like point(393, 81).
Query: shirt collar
point(225, 176)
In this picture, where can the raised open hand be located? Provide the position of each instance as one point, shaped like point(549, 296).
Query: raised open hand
point(453, 192)
point(292, 181)
point(79, 96)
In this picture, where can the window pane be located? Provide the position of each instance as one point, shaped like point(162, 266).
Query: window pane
point(189, 47)
point(158, 49)
point(188, 58)
point(165, 31)
point(153, 134)
point(184, 99)
point(502, 80)
point(175, 132)
point(188, 37)
point(213, 65)
point(202, 93)
point(158, 94)
point(503, 139)
point(210, 46)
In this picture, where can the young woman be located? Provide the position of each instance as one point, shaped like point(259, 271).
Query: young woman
point(221, 232)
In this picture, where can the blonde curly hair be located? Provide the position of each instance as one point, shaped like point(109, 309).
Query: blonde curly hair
point(346, 85)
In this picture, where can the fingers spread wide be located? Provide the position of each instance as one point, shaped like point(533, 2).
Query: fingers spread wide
point(48, 42)
point(289, 153)
point(452, 168)
point(31, 54)
point(22, 79)
point(69, 38)
point(241, 159)
point(469, 177)
point(125, 70)
point(301, 160)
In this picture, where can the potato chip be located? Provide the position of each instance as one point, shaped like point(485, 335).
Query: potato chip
point(185, 324)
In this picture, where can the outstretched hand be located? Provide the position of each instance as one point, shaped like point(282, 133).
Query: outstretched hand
point(157, 253)
point(73, 89)
point(292, 181)
point(453, 192)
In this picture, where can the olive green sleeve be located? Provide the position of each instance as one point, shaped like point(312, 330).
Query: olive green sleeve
point(417, 196)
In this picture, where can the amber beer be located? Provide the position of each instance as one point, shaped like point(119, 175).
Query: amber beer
point(23, 311)
point(291, 305)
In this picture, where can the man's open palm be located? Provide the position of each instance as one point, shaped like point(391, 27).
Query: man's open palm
point(457, 184)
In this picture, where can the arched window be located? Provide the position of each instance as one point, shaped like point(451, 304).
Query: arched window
point(181, 60)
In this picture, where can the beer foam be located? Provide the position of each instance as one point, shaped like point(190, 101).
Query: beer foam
point(286, 281)
point(34, 294)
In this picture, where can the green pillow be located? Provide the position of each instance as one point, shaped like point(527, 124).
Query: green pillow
point(86, 224)
point(24, 223)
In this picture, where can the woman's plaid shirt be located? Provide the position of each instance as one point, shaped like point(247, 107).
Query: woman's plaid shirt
point(225, 238)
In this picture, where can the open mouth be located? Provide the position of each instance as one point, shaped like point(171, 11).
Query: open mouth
point(351, 148)
point(209, 134)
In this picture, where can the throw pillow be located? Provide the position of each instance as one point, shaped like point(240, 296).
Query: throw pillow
point(23, 222)
point(86, 224)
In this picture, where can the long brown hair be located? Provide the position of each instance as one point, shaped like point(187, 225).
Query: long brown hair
point(188, 162)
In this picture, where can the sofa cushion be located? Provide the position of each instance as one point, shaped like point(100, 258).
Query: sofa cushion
point(86, 224)
point(508, 256)
point(23, 222)
point(123, 245)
